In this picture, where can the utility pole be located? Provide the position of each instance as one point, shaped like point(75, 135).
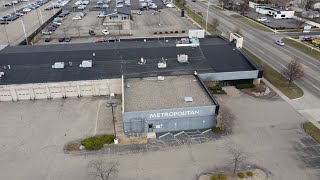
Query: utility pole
point(113, 105)
point(24, 30)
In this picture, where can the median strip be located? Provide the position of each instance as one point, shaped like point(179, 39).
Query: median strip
point(303, 48)
point(312, 130)
point(276, 78)
point(198, 19)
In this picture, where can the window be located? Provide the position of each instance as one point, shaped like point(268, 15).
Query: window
point(283, 15)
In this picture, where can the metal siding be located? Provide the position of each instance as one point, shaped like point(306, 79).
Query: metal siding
point(137, 122)
point(229, 75)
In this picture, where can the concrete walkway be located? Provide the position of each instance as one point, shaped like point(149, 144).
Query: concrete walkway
point(307, 115)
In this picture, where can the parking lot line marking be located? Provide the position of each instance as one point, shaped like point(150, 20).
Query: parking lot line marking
point(97, 117)
point(206, 131)
point(179, 133)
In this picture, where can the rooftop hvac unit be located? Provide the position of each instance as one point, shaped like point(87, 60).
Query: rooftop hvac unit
point(162, 64)
point(86, 64)
point(1, 74)
point(182, 58)
point(188, 99)
point(58, 65)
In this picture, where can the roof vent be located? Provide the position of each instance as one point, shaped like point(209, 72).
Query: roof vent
point(86, 64)
point(58, 65)
point(188, 99)
point(182, 58)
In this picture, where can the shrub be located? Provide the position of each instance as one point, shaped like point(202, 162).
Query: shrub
point(217, 89)
point(222, 177)
point(160, 32)
point(241, 175)
point(249, 173)
point(171, 32)
point(166, 32)
point(97, 142)
point(155, 33)
point(244, 86)
point(183, 31)
point(176, 32)
point(216, 130)
point(215, 177)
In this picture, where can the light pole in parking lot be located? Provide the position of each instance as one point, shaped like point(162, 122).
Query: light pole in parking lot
point(159, 18)
point(24, 30)
point(113, 105)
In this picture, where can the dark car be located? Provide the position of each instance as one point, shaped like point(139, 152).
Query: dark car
point(92, 33)
point(47, 39)
point(200, 14)
point(4, 22)
point(61, 39)
point(111, 39)
point(68, 39)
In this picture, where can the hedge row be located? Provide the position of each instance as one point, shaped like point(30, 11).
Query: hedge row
point(169, 32)
point(97, 142)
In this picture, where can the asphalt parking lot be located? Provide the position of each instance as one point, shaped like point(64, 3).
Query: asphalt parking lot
point(13, 33)
point(169, 19)
point(275, 23)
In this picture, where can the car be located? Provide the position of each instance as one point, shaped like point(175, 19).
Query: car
point(111, 39)
point(100, 40)
point(19, 14)
point(46, 32)
point(4, 22)
point(200, 13)
point(51, 28)
point(267, 21)
point(57, 23)
point(92, 33)
point(308, 39)
point(61, 39)
point(280, 43)
point(119, 5)
point(76, 18)
point(105, 32)
point(262, 19)
point(101, 15)
point(48, 8)
point(193, 0)
point(68, 39)
point(139, 13)
point(27, 10)
point(81, 7)
point(47, 39)
point(169, 5)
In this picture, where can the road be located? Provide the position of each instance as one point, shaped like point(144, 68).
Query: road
point(263, 46)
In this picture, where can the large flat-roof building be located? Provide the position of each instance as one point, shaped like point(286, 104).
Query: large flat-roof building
point(160, 80)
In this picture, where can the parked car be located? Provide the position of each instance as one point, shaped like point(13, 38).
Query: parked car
point(111, 39)
point(101, 15)
point(170, 5)
point(77, 18)
point(27, 10)
point(280, 43)
point(46, 32)
point(100, 40)
point(47, 39)
point(48, 8)
point(4, 22)
point(92, 33)
point(105, 32)
point(200, 13)
point(68, 39)
point(61, 39)
point(262, 19)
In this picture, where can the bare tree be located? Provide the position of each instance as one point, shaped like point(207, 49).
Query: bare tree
point(237, 157)
point(244, 6)
point(215, 22)
point(293, 71)
point(102, 170)
point(226, 120)
point(306, 4)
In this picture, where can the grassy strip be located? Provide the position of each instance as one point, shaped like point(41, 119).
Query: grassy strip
point(298, 30)
point(302, 47)
point(312, 130)
point(198, 19)
point(275, 78)
point(253, 24)
point(97, 142)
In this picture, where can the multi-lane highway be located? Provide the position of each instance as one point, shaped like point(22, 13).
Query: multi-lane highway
point(263, 46)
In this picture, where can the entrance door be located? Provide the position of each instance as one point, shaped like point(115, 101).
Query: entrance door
point(150, 127)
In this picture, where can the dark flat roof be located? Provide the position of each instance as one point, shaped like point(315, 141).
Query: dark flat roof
point(32, 64)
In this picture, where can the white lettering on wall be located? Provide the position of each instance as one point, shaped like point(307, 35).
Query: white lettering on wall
point(174, 114)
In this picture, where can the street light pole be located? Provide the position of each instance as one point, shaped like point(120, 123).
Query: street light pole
point(14, 8)
point(207, 15)
point(24, 30)
point(113, 104)
point(159, 19)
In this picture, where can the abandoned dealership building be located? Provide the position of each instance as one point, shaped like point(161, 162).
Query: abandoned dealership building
point(160, 80)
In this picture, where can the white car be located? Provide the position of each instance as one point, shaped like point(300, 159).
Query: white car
point(27, 10)
point(101, 15)
point(82, 7)
point(76, 18)
point(280, 43)
point(119, 5)
point(105, 32)
point(170, 5)
point(262, 19)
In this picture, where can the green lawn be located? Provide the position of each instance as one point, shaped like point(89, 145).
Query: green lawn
point(302, 47)
point(275, 78)
point(312, 130)
point(198, 19)
point(253, 24)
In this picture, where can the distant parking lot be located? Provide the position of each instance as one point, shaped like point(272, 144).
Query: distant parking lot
point(275, 23)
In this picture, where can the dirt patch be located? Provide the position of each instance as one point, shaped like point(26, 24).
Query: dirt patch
point(257, 174)
point(75, 146)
